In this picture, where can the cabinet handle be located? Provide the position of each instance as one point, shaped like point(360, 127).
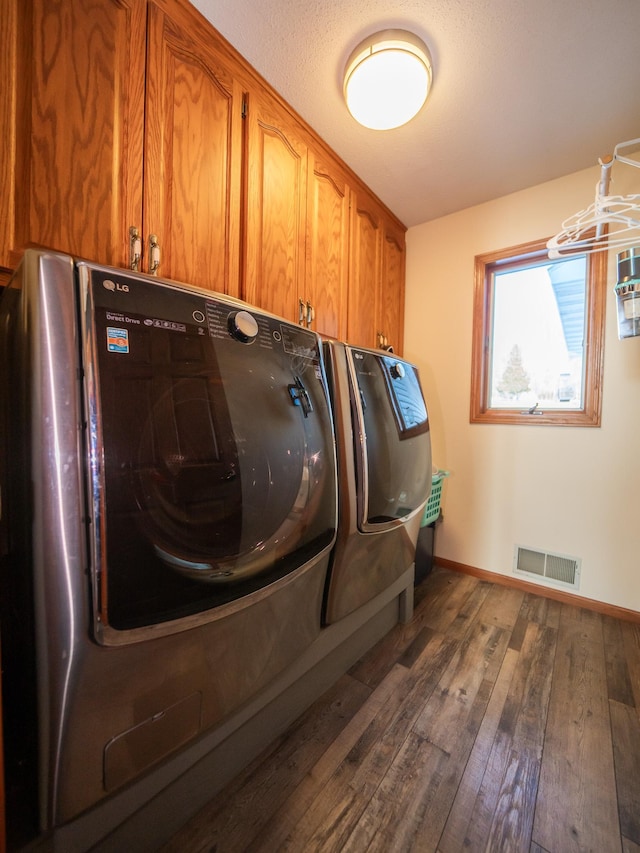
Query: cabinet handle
point(154, 254)
point(300, 312)
point(135, 248)
point(310, 314)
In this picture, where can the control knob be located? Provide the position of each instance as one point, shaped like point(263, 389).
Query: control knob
point(243, 326)
point(397, 370)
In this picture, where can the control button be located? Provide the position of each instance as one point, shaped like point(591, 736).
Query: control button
point(397, 371)
point(198, 316)
point(243, 326)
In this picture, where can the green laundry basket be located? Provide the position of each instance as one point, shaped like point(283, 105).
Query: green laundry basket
point(432, 509)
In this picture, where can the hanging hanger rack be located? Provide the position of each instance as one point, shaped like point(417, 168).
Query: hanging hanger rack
point(587, 231)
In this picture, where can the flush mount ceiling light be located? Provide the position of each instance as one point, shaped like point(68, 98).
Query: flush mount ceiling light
point(387, 79)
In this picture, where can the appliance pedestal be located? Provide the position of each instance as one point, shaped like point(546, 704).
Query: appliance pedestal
point(145, 815)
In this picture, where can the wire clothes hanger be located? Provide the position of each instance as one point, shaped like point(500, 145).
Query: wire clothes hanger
point(587, 231)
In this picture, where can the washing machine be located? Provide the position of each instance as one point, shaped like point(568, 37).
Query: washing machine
point(169, 506)
point(384, 472)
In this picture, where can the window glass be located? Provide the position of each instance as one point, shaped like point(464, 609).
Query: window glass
point(538, 325)
point(538, 335)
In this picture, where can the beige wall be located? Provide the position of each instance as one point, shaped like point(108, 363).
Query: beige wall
point(573, 491)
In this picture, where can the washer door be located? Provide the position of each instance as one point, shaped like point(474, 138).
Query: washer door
point(214, 437)
point(393, 462)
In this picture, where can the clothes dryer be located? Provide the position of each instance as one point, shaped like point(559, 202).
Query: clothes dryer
point(169, 505)
point(384, 472)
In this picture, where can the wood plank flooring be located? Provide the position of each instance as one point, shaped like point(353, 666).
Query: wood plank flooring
point(495, 720)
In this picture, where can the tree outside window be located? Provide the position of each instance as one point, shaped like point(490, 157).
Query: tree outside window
point(515, 379)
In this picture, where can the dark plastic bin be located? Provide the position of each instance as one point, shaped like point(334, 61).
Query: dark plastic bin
point(424, 551)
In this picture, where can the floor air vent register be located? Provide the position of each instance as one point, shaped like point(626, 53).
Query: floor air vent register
point(556, 569)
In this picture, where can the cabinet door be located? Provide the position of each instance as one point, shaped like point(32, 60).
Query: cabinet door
point(327, 245)
point(275, 211)
point(8, 136)
point(364, 270)
point(79, 125)
point(390, 321)
point(193, 154)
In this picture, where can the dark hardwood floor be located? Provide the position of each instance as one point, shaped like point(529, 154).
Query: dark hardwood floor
point(495, 720)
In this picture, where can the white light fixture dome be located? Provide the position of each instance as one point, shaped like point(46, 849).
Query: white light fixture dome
point(387, 79)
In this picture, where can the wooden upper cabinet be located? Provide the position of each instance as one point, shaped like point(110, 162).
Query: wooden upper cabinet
point(376, 276)
point(79, 112)
point(297, 224)
point(130, 119)
point(122, 114)
point(327, 248)
point(390, 316)
point(9, 179)
point(274, 261)
point(364, 270)
point(192, 154)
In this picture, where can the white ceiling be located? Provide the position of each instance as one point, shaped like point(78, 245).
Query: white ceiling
point(524, 90)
